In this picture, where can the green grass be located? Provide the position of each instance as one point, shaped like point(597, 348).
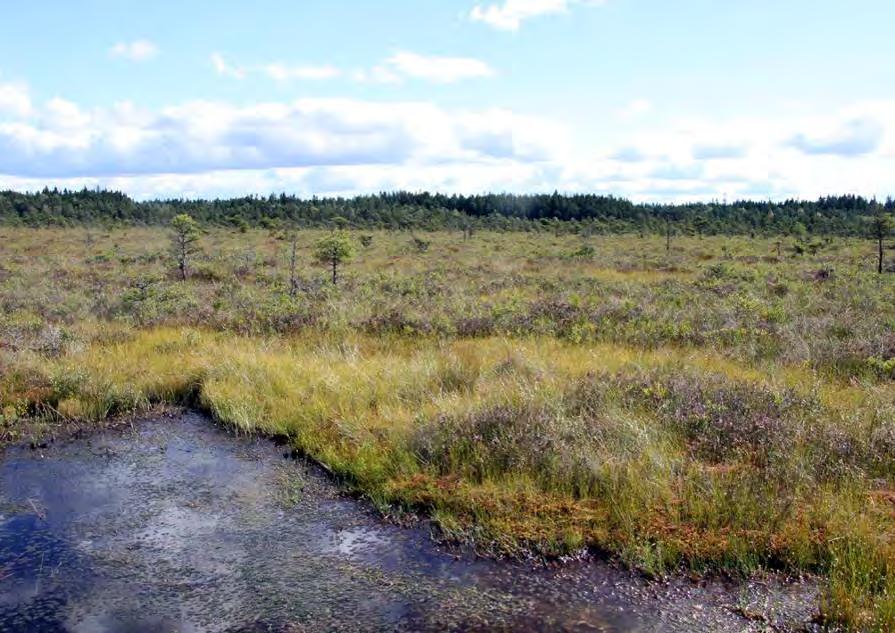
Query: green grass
point(708, 409)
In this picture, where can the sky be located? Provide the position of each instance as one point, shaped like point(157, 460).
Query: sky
point(647, 99)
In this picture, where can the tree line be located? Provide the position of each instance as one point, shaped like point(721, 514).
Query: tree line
point(847, 215)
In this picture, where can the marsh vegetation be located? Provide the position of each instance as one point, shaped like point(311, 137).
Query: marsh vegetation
point(707, 403)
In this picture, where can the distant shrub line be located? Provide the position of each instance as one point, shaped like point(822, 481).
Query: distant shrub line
point(579, 213)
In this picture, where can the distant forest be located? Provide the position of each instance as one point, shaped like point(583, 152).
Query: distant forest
point(580, 213)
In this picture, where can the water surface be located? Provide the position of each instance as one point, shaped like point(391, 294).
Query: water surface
point(175, 525)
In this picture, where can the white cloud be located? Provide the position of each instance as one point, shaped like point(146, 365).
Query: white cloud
point(856, 137)
point(379, 74)
point(224, 69)
point(399, 67)
point(15, 99)
point(510, 14)
point(66, 141)
point(137, 50)
point(64, 115)
point(308, 181)
point(636, 108)
point(716, 151)
point(850, 150)
point(437, 69)
point(284, 72)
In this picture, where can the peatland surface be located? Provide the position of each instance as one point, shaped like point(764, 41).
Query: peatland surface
point(725, 405)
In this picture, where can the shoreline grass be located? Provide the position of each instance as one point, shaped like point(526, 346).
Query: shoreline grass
point(539, 445)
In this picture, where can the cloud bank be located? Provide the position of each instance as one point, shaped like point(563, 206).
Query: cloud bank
point(61, 140)
point(347, 146)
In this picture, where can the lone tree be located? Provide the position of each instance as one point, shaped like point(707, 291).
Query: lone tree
point(701, 225)
point(881, 226)
point(184, 241)
point(670, 218)
point(333, 250)
point(292, 236)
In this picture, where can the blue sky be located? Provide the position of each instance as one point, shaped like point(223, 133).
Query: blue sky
point(652, 100)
